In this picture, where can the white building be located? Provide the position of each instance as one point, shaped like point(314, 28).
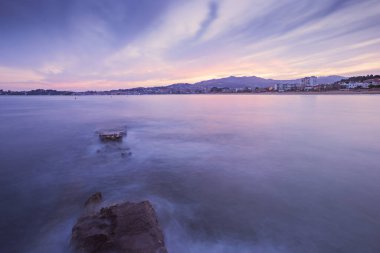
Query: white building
point(355, 85)
point(285, 87)
point(310, 81)
point(375, 81)
point(278, 87)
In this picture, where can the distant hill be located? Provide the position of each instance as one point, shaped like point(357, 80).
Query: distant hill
point(180, 86)
point(237, 82)
point(360, 78)
point(329, 79)
point(252, 82)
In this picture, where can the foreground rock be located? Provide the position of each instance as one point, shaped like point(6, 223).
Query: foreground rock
point(122, 228)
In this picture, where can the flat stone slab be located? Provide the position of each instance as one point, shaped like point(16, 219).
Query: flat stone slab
point(121, 228)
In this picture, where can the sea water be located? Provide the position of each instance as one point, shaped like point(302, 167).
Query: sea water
point(225, 173)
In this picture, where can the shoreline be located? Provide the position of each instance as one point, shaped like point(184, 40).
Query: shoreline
point(270, 93)
point(332, 92)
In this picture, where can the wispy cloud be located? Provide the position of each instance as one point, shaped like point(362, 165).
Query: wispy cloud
point(211, 17)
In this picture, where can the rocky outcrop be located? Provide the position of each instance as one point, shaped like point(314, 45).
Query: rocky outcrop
point(122, 228)
point(95, 199)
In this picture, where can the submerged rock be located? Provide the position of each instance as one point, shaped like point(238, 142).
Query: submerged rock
point(122, 228)
point(112, 135)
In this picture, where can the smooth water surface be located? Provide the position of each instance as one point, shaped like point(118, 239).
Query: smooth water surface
point(225, 173)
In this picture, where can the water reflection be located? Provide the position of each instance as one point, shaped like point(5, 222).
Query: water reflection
point(225, 173)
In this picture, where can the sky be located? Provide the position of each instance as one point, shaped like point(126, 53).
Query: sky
point(111, 44)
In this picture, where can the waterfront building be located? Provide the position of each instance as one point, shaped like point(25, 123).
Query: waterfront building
point(309, 81)
point(357, 85)
point(375, 81)
point(281, 87)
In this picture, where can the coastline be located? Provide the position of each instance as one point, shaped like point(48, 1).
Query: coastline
point(331, 92)
point(375, 91)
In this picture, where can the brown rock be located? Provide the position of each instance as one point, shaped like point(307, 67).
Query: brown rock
point(123, 228)
point(95, 199)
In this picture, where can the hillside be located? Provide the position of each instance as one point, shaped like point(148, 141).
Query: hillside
point(254, 81)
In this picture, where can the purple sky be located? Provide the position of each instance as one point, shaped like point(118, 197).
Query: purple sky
point(105, 44)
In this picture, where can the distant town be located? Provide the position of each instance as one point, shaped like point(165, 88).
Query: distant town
point(231, 85)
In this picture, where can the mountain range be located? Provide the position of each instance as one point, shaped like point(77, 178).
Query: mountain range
point(248, 81)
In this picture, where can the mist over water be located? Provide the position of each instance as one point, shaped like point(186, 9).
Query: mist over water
point(288, 174)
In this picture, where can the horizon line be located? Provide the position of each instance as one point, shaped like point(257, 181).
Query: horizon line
point(162, 85)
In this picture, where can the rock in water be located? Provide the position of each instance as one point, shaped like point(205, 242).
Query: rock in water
point(112, 135)
point(122, 228)
point(95, 199)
